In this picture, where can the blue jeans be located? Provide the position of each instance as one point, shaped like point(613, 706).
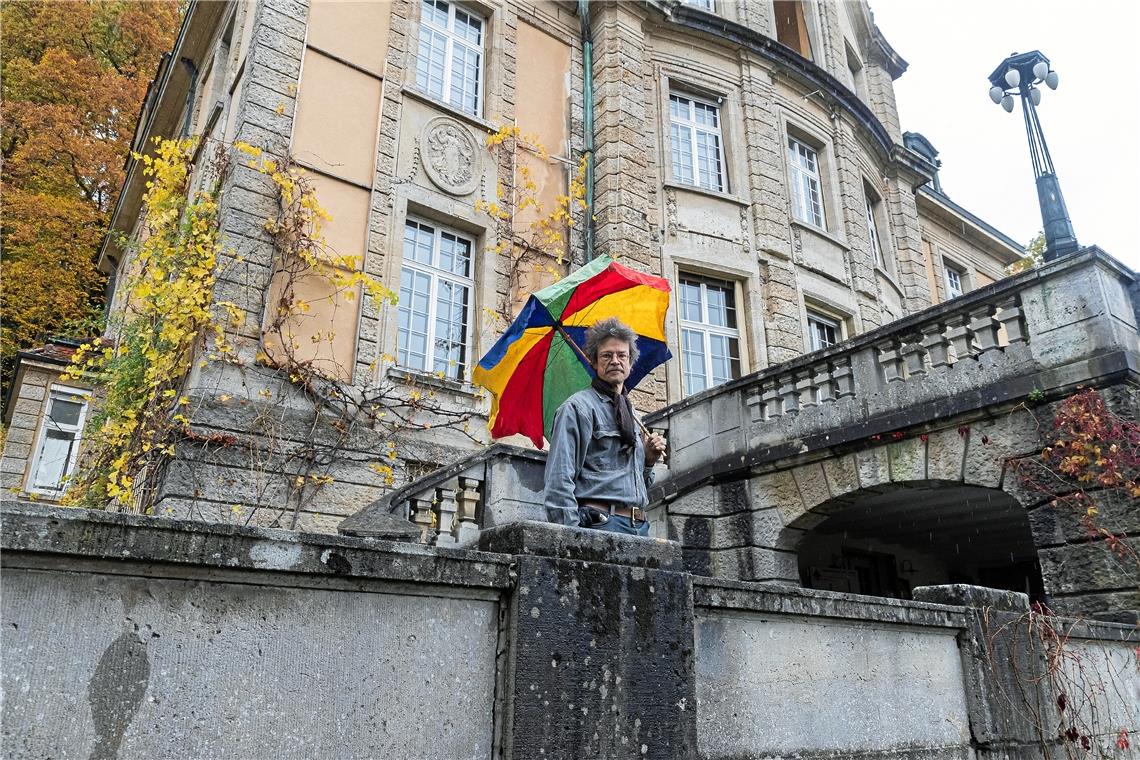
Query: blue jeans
point(596, 519)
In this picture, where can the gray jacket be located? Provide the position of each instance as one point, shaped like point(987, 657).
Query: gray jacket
point(586, 462)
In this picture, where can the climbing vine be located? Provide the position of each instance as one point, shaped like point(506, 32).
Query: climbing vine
point(168, 314)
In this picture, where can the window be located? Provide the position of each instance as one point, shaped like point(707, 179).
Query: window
point(822, 331)
point(873, 228)
point(791, 26)
point(435, 300)
point(694, 136)
point(710, 339)
point(807, 201)
point(449, 66)
point(704, 4)
point(954, 279)
point(58, 441)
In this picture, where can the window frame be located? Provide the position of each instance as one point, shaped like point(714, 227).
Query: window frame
point(796, 172)
point(704, 5)
point(436, 273)
point(690, 124)
point(814, 317)
point(451, 39)
point(959, 272)
point(707, 329)
point(64, 393)
point(873, 202)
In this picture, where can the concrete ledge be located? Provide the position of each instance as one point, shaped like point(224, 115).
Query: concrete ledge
point(562, 542)
point(92, 534)
point(785, 600)
point(973, 596)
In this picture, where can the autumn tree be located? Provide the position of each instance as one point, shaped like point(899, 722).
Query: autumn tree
point(74, 78)
point(1034, 255)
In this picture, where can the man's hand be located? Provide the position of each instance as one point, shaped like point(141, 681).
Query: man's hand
point(655, 444)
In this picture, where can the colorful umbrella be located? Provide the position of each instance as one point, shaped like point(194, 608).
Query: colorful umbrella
point(532, 369)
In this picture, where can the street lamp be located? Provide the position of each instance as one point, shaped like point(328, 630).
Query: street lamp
point(1022, 74)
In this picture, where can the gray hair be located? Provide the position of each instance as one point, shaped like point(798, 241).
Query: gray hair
point(604, 330)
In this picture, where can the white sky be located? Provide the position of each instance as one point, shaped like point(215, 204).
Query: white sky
point(1091, 121)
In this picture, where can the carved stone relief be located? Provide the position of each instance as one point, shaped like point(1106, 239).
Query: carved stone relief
point(450, 155)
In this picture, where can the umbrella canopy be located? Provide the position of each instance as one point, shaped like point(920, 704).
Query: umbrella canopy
point(531, 369)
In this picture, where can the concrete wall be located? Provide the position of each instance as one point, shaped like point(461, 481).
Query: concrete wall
point(132, 637)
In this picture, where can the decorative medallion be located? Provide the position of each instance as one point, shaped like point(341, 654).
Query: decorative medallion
point(450, 156)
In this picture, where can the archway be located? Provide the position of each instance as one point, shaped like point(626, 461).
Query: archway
point(886, 542)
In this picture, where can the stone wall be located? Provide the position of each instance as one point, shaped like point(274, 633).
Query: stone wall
point(127, 637)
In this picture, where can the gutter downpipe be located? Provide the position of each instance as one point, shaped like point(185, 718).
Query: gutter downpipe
point(588, 119)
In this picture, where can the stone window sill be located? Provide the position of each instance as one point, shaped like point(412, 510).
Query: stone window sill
point(450, 110)
point(410, 376)
point(728, 197)
point(820, 233)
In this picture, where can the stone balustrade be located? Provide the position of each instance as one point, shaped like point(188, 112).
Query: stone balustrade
point(1069, 322)
point(499, 485)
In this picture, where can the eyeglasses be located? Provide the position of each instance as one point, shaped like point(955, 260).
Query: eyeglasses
point(609, 356)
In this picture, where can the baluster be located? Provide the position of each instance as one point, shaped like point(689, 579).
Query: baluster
point(755, 405)
point(806, 390)
point(446, 507)
point(1010, 319)
point(468, 499)
point(773, 406)
point(959, 337)
point(844, 379)
point(984, 328)
point(423, 517)
point(890, 361)
point(913, 357)
point(790, 394)
point(823, 388)
point(936, 346)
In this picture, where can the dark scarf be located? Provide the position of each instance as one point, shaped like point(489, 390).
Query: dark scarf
point(623, 410)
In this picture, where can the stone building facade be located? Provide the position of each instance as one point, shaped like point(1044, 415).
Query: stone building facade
point(750, 152)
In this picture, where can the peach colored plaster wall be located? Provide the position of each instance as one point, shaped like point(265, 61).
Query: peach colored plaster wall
point(338, 110)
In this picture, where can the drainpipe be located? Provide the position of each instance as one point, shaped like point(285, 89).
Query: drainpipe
point(588, 119)
point(191, 93)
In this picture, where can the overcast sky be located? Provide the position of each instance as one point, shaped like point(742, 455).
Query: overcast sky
point(1091, 122)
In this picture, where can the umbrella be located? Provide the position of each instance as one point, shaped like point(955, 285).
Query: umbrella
point(537, 364)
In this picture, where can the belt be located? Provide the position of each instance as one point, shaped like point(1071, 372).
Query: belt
point(637, 514)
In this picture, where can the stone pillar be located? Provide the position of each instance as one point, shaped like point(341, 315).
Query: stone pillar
point(602, 655)
point(622, 135)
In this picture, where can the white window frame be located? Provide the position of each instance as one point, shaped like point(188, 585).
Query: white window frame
point(702, 4)
point(814, 319)
point(688, 129)
point(437, 274)
point(64, 393)
point(451, 40)
point(805, 178)
point(873, 230)
point(707, 330)
point(959, 274)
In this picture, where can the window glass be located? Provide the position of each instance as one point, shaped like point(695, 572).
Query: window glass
point(710, 341)
point(822, 331)
point(59, 436)
point(449, 62)
point(435, 300)
point(873, 230)
point(695, 143)
point(954, 281)
point(807, 200)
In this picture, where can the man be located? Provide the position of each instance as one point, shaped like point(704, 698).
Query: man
point(599, 468)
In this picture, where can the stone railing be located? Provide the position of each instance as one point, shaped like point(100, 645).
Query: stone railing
point(499, 485)
point(1068, 322)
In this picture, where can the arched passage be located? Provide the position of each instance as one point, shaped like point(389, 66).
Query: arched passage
point(884, 542)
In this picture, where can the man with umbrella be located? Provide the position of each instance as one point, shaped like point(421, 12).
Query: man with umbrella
point(600, 465)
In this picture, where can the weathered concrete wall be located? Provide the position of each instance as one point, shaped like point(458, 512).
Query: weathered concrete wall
point(136, 637)
point(168, 639)
point(784, 673)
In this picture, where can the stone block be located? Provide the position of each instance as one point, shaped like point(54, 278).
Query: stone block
point(907, 460)
point(1061, 524)
point(812, 484)
point(1089, 567)
point(945, 455)
point(778, 489)
point(874, 467)
point(540, 539)
point(842, 473)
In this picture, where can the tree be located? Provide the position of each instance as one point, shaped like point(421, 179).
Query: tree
point(1034, 255)
point(74, 78)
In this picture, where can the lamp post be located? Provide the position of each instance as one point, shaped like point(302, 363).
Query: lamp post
point(1022, 74)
